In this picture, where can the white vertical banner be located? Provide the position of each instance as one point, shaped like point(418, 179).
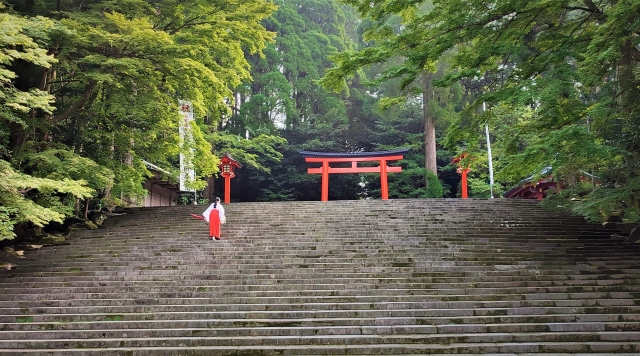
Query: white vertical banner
point(187, 172)
point(486, 129)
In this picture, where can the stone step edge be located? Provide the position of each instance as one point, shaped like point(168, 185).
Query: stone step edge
point(507, 347)
point(568, 327)
point(619, 317)
point(355, 336)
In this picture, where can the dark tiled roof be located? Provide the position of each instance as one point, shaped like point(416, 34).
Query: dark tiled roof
point(233, 159)
point(354, 154)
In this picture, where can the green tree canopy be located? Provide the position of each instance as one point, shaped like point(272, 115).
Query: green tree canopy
point(102, 79)
point(573, 63)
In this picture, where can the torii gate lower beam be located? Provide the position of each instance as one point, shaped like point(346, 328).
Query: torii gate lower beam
point(326, 158)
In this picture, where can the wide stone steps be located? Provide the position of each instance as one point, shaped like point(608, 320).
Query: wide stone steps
point(467, 308)
point(598, 275)
point(408, 276)
point(325, 280)
point(332, 303)
point(497, 279)
point(551, 323)
point(476, 331)
point(182, 268)
point(335, 316)
point(417, 288)
point(421, 347)
point(596, 337)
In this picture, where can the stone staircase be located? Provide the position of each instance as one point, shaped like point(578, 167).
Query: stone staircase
point(414, 276)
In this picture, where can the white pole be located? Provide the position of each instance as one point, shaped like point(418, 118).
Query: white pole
point(486, 129)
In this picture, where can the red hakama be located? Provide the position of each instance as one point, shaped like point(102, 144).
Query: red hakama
point(214, 223)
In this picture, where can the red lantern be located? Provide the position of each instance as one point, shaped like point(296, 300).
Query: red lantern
point(227, 168)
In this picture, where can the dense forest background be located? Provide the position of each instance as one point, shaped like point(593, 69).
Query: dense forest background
point(89, 91)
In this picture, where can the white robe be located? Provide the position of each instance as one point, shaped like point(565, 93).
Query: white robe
point(220, 208)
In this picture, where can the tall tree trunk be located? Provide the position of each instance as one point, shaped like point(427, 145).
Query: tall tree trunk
point(209, 191)
point(430, 162)
point(629, 91)
point(85, 214)
point(17, 138)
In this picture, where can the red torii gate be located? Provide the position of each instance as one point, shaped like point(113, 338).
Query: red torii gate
point(354, 157)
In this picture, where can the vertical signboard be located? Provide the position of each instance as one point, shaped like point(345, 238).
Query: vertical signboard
point(187, 172)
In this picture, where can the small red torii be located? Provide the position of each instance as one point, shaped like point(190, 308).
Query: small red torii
point(354, 157)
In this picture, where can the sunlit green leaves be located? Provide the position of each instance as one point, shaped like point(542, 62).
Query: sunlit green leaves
point(18, 190)
point(255, 153)
point(100, 81)
point(17, 45)
point(58, 164)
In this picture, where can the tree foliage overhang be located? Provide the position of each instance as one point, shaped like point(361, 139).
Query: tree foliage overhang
point(100, 81)
point(561, 80)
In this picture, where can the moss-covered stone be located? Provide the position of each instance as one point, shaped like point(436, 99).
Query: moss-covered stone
point(51, 240)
